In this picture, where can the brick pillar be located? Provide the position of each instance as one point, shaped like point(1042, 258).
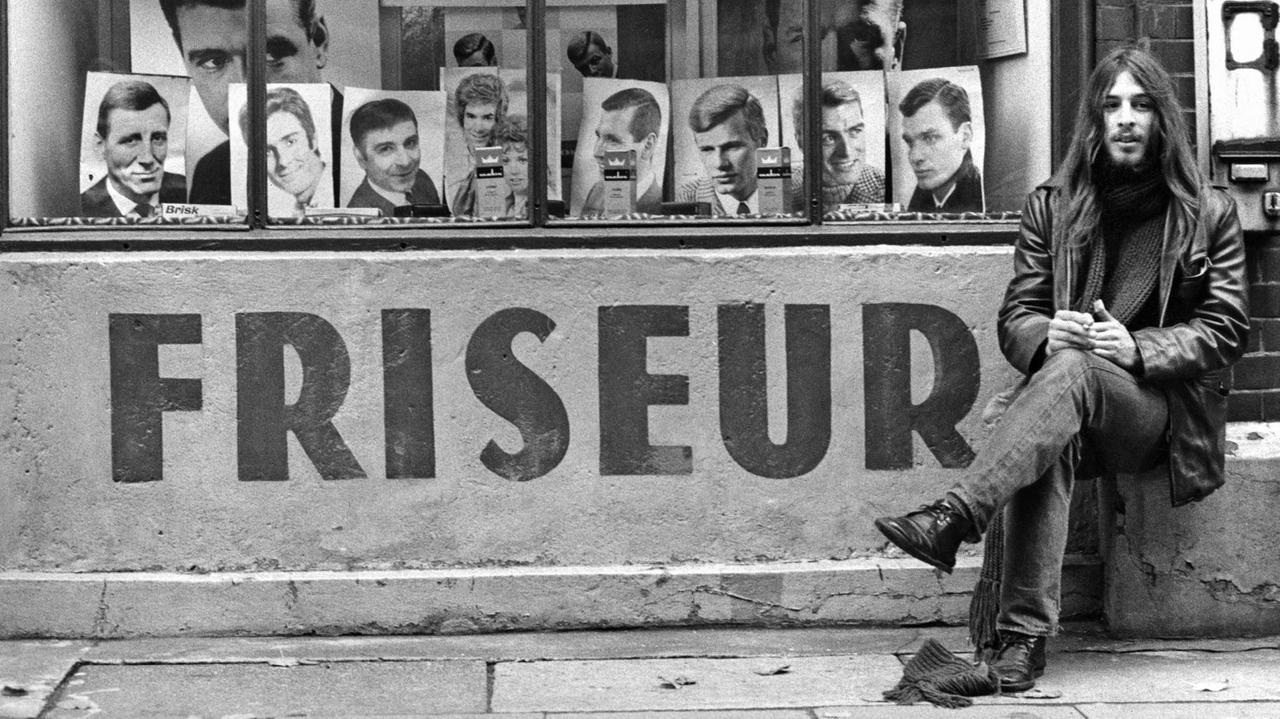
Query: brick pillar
point(1256, 395)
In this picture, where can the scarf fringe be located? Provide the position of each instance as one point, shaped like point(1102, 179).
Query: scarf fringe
point(984, 606)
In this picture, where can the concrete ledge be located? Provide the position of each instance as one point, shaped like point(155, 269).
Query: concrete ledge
point(1207, 569)
point(146, 604)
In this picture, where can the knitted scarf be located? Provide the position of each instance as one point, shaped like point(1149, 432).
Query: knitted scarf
point(1124, 261)
point(939, 677)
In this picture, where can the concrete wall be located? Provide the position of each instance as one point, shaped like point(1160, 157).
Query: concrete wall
point(1201, 570)
point(190, 430)
point(582, 486)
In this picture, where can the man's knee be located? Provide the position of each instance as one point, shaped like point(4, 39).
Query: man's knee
point(1070, 360)
point(1073, 367)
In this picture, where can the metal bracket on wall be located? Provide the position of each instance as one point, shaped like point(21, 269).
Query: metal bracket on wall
point(1268, 15)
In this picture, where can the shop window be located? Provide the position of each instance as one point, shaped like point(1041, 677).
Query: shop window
point(425, 113)
point(95, 137)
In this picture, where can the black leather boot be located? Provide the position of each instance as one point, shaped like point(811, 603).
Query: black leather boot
point(931, 534)
point(1019, 661)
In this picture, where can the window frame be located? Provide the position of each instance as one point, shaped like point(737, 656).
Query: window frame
point(1071, 36)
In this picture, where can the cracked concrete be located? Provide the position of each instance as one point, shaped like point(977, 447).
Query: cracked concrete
point(1197, 570)
point(159, 604)
point(832, 673)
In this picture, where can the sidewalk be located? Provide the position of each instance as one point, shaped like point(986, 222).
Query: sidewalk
point(684, 673)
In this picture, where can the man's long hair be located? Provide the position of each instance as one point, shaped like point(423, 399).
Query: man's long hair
point(1078, 210)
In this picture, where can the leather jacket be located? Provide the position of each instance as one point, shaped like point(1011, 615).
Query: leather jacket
point(1203, 326)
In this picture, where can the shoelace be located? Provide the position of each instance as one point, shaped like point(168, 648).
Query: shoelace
point(1021, 642)
point(940, 511)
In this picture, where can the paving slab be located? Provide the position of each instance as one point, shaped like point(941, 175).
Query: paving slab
point(527, 646)
point(1216, 710)
point(30, 671)
point(433, 715)
point(1228, 644)
point(977, 711)
point(218, 690)
point(1157, 677)
point(703, 714)
point(638, 684)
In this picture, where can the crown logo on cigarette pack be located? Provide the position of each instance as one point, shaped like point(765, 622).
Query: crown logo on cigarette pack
point(619, 165)
point(620, 158)
point(773, 174)
point(773, 156)
point(488, 156)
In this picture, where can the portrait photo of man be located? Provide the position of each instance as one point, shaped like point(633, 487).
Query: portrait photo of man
point(296, 147)
point(940, 134)
point(590, 55)
point(629, 119)
point(852, 139)
point(757, 37)
point(475, 50)
point(387, 145)
point(131, 138)
point(728, 124)
point(212, 36)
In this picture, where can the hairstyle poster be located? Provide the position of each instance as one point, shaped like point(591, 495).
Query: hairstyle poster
point(766, 36)
point(582, 40)
point(476, 36)
point(481, 104)
point(476, 100)
point(299, 151)
point(344, 52)
point(937, 138)
point(587, 39)
point(110, 92)
point(399, 152)
point(716, 126)
point(518, 116)
point(621, 115)
point(852, 118)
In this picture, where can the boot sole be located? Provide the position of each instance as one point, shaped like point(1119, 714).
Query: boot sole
point(1016, 687)
point(902, 542)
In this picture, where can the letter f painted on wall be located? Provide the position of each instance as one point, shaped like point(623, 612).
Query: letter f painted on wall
point(140, 396)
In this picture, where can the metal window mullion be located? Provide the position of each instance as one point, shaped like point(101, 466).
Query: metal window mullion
point(1072, 53)
point(812, 114)
point(5, 179)
point(539, 153)
point(256, 77)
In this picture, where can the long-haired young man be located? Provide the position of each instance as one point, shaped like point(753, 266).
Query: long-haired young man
point(1127, 303)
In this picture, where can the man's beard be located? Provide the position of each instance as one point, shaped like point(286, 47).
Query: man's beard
point(1107, 167)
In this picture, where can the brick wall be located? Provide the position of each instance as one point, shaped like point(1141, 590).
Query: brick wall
point(1256, 396)
point(1166, 28)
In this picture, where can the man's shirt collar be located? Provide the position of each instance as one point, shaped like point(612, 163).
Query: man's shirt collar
point(730, 203)
point(396, 199)
point(127, 206)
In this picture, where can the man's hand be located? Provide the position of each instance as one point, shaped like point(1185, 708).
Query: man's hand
point(1110, 338)
point(1070, 329)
